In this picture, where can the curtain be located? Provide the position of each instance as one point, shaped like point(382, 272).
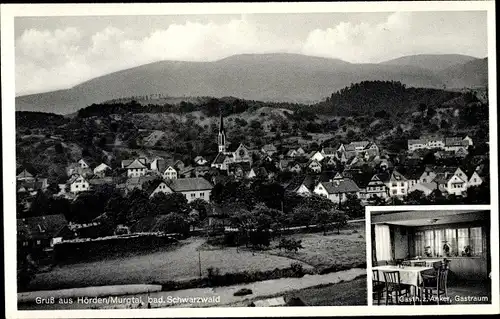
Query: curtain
point(383, 242)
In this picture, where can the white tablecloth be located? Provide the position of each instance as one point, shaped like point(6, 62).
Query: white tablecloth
point(408, 275)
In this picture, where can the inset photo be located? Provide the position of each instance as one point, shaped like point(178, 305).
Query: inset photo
point(429, 255)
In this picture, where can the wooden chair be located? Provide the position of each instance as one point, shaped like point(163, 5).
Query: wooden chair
point(436, 286)
point(378, 286)
point(393, 286)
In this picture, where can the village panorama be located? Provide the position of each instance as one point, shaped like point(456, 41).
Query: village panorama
point(236, 179)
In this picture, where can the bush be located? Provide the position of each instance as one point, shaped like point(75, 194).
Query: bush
point(243, 292)
point(290, 244)
point(297, 270)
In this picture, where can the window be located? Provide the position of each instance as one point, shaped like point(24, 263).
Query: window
point(193, 195)
point(202, 194)
point(394, 184)
point(449, 242)
point(394, 192)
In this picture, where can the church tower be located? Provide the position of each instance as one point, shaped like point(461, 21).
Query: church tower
point(221, 138)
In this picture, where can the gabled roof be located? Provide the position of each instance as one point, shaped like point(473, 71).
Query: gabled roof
point(25, 174)
point(41, 227)
point(190, 184)
point(329, 151)
point(127, 162)
point(397, 177)
point(154, 185)
point(74, 177)
point(135, 164)
point(345, 185)
point(220, 158)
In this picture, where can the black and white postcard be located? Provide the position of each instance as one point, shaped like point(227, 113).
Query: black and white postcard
point(192, 159)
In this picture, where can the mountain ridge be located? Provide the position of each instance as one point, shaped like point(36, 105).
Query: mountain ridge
point(283, 77)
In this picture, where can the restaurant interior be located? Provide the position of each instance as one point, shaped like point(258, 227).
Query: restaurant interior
point(431, 257)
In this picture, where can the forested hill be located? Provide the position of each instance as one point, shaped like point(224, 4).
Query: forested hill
point(364, 98)
point(369, 97)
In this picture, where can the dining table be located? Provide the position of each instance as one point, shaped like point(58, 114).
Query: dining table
point(409, 275)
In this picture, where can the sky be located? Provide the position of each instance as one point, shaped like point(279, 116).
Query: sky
point(60, 52)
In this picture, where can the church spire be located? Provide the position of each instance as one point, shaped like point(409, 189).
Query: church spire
point(221, 138)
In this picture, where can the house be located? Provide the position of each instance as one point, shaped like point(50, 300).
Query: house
point(77, 183)
point(397, 184)
point(25, 176)
point(453, 144)
point(292, 153)
point(269, 149)
point(41, 232)
point(364, 148)
point(329, 152)
point(186, 172)
point(316, 156)
point(451, 184)
point(179, 165)
point(260, 172)
point(426, 188)
point(242, 154)
point(330, 161)
point(426, 142)
point(221, 161)
point(200, 160)
point(136, 169)
point(192, 188)
point(83, 164)
point(376, 188)
point(80, 168)
point(169, 173)
point(430, 173)
point(474, 180)
point(158, 164)
point(307, 186)
point(101, 170)
point(32, 187)
point(314, 166)
point(337, 189)
point(300, 151)
point(238, 170)
point(158, 187)
point(295, 168)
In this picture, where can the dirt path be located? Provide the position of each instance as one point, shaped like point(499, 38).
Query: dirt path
point(220, 296)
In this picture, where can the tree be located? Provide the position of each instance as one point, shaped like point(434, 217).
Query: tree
point(323, 218)
point(352, 206)
point(170, 203)
point(417, 197)
point(175, 223)
point(339, 219)
point(202, 207)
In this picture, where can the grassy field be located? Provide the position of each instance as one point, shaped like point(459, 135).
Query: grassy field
point(350, 293)
point(347, 249)
point(158, 267)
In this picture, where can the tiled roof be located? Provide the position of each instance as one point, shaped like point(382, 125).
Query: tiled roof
point(73, 178)
point(190, 184)
point(135, 164)
point(126, 163)
point(346, 185)
point(219, 159)
point(396, 176)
